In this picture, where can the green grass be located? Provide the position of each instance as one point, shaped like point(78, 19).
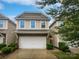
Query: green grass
point(62, 55)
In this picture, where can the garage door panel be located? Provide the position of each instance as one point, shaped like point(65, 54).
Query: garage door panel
point(32, 42)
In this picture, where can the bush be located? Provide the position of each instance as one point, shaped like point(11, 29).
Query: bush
point(49, 46)
point(10, 48)
point(63, 47)
point(2, 45)
point(13, 46)
point(6, 50)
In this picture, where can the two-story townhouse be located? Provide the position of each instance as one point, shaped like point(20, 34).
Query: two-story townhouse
point(7, 30)
point(32, 30)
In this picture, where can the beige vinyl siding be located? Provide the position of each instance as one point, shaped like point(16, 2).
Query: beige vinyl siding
point(17, 24)
point(47, 24)
point(27, 24)
point(37, 24)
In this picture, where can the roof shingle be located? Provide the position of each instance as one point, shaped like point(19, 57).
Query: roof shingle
point(3, 17)
point(29, 15)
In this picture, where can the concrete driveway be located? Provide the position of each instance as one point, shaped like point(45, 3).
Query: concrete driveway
point(31, 54)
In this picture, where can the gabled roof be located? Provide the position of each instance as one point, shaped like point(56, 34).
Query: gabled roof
point(56, 19)
point(3, 17)
point(52, 23)
point(32, 15)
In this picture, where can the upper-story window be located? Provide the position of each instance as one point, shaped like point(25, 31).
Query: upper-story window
point(32, 23)
point(1, 23)
point(42, 24)
point(21, 23)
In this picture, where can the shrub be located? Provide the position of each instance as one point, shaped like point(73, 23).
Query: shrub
point(13, 49)
point(2, 45)
point(13, 46)
point(6, 50)
point(63, 47)
point(49, 46)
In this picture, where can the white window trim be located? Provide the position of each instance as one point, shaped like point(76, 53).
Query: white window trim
point(5, 25)
point(2, 24)
point(45, 25)
point(41, 24)
point(19, 25)
point(30, 24)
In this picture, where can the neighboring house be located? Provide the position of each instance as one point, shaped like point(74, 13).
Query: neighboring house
point(32, 30)
point(54, 38)
point(7, 28)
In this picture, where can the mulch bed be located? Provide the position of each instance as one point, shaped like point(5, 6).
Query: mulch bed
point(2, 55)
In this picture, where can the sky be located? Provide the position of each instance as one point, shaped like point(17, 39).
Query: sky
point(12, 8)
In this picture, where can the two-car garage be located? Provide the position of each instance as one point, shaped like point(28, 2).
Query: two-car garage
point(32, 42)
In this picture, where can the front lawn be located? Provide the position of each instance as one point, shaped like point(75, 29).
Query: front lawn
point(62, 55)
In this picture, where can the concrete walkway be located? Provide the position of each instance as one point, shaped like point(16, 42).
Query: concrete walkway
point(31, 54)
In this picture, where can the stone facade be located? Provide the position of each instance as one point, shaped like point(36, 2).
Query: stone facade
point(8, 31)
point(55, 37)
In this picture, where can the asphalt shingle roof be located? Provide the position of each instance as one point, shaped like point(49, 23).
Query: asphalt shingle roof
point(3, 17)
point(28, 15)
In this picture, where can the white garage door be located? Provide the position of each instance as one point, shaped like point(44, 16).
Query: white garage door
point(32, 42)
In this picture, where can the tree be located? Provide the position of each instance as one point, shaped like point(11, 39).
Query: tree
point(69, 16)
point(46, 2)
point(69, 30)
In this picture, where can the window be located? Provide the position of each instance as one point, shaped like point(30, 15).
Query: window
point(1, 23)
point(32, 23)
point(21, 23)
point(43, 24)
